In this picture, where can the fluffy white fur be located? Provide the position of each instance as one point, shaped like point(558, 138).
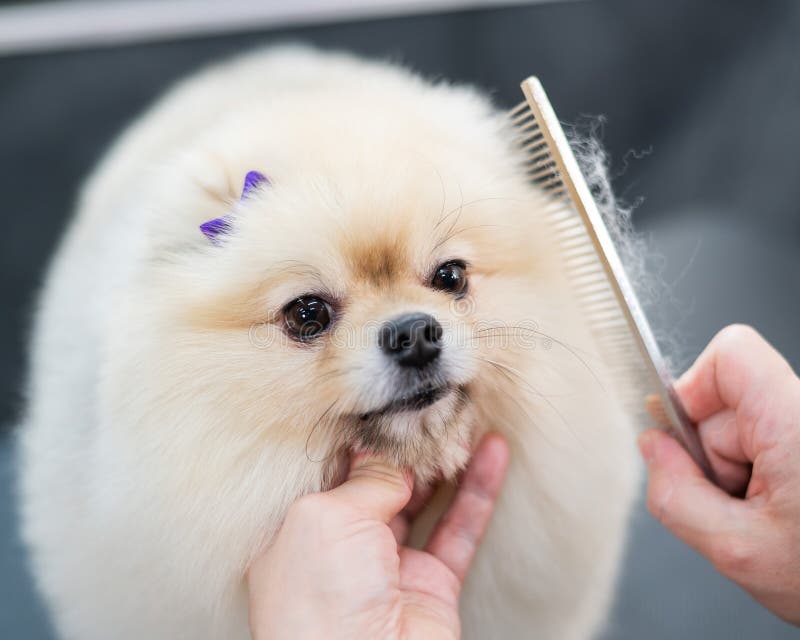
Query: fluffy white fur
point(171, 421)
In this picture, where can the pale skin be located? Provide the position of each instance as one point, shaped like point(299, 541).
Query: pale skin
point(338, 567)
point(745, 399)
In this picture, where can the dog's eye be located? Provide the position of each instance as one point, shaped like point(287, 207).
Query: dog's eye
point(451, 277)
point(307, 317)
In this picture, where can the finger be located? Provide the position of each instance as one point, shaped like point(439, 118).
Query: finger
point(455, 539)
point(737, 364)
point(683, 500)
point(419, 498)
point(400, 527)
point(719, 435)
point(373, 487)
point(401, 523)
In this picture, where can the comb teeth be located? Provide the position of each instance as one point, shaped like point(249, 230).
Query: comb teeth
point(593, 268)
point(583, 267)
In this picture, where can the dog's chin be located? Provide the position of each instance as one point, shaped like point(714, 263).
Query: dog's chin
point(427, 432)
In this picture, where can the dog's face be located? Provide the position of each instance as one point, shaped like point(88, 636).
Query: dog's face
point(369, 322)
point(362, 302)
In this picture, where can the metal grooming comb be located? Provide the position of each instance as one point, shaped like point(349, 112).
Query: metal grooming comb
point(623, 335)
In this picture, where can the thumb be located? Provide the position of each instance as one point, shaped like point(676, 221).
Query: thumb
point(375, 488)
point(683, 500)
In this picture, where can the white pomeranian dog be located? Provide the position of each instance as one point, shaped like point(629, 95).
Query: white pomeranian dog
point(202, 356)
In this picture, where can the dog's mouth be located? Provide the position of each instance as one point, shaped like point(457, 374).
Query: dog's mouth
point(413, 401)
point(422, 429)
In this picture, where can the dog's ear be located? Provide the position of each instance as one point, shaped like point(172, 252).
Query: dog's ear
point(215, 229)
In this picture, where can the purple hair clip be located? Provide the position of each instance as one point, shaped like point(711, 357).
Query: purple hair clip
point(213, 229)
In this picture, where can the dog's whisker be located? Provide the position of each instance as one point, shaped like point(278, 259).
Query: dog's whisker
point(478, 201)
point(314, 428)
point(441, 447)
point(526, 413)
point(514, 375)
point(452, 234)
point(444, 195)
point(452, 211)
point(573, 351)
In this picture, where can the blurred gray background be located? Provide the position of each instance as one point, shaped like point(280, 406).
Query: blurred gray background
point(701, 100)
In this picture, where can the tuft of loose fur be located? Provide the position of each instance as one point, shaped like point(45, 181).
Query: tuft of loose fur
point(172, 419)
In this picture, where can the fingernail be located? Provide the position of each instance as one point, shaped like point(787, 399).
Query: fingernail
point(646, 447)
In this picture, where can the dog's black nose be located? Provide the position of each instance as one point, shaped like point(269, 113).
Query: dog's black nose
point(411, 340)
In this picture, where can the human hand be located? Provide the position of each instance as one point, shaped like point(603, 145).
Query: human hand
point(338, 568)
point(745, 399)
